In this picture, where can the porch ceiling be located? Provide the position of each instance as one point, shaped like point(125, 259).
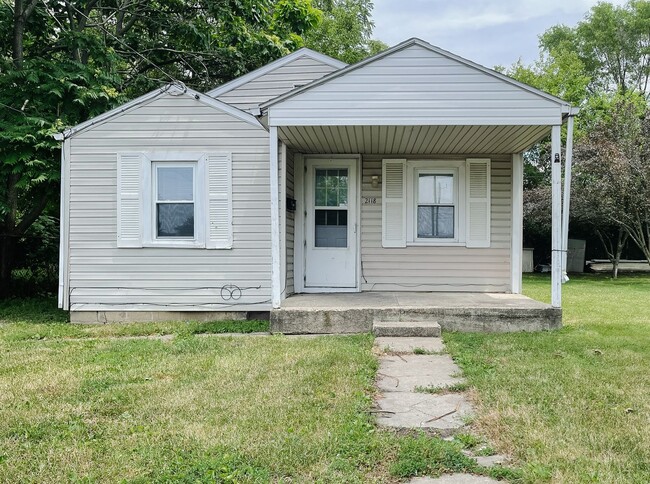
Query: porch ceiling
point(412, 139)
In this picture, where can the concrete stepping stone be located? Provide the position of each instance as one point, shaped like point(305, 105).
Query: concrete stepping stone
point(403, 373)
point(406, 410)
point(396, 344)
point(406, 328)
point(490, 460)
point(454, 479)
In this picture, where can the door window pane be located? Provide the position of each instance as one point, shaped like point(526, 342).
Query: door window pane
point(331, 188)
point(331, 228)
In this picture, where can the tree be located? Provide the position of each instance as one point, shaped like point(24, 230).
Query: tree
point(345, 32)
point(64, 61)
point(612, 179)
point(612, 43)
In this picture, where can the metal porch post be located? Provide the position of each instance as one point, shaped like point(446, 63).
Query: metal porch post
point(276, 290)
point(556, 216)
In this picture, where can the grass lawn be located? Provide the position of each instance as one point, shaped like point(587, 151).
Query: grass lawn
point(79, 405)
point(573, 405)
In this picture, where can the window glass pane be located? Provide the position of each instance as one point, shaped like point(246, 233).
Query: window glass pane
point(435, 222)
point(331, 188)
point(331, 228)
point(425, 221)
point(445, 222)
point(444, 189)
point(435, 189)
point(426, 189)
point(175, 219)
point(175, 183)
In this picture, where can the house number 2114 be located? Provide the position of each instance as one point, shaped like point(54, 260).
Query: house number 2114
point(369, 200)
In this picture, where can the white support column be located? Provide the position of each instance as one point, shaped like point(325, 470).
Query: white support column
point(566, 202)
point(276, 287)
point(283, 220)
point(517, 244)
point(556, 218)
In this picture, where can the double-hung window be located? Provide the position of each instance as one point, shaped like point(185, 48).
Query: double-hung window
point(174, 200)
point(436, 207)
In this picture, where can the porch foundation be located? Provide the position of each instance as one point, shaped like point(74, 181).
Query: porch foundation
point(465, 312)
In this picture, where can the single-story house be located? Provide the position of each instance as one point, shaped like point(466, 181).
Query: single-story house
point(399, 174)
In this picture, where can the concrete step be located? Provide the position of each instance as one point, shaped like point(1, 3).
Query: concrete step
point(406, 328)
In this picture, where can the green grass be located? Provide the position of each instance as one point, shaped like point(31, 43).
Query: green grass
point(78, 403)
point(39, 319)
point(571, 405)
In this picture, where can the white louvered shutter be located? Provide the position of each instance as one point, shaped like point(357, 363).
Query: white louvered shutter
point(219, 206)
point(393, 203)
point(478, 203)
point(129, 199)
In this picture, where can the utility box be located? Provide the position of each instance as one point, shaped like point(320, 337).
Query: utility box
point(575, 261)
point(527, 264)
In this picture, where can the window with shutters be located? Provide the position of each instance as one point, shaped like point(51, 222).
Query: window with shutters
point(174, 199)
point(436, 203)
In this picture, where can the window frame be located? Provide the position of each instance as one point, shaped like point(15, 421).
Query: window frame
point(455, 168)
point(150, 198)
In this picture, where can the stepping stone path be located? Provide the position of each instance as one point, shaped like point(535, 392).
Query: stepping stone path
point(407, 365)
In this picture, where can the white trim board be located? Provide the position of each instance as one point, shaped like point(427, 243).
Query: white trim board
point(251, 76)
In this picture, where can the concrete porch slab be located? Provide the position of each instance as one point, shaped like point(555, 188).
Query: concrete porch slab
point(455, 311)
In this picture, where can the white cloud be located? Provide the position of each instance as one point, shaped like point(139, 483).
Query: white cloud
point(497, 31)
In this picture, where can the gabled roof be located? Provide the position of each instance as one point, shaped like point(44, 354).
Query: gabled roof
point(304, 52)
point(173, 89)
point(432, 48)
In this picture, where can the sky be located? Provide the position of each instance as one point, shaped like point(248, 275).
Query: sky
point(489, 32)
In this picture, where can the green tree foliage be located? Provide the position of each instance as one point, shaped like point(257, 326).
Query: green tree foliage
point(612, 179)
point(64, 61)
point(345, 32)
point(602, 65)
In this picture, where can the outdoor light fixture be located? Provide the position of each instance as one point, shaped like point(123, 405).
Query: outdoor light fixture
point(375, 181)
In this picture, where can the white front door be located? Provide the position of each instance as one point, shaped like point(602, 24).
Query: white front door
point(330, 223)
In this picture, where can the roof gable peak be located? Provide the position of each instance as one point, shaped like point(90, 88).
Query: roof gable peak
point(271, 66)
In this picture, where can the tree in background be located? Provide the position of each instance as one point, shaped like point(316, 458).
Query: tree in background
point(612, 184)
point(345, 32)
point(64, 61)
point(601, 64)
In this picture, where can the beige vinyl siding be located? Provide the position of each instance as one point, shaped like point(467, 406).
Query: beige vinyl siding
point(103, 277)
point(438, 268)
point(275, 83)
point(415, 86)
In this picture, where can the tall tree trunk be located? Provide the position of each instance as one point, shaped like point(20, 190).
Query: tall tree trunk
point(614, 250)
point(7, 252)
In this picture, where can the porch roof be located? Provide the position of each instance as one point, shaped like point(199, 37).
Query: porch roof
point(422, 140)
